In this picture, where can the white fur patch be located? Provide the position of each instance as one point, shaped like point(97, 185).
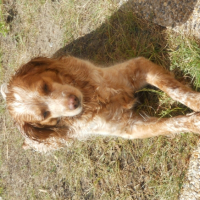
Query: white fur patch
point(22, 103)
point(27, 102)
point(17, 97)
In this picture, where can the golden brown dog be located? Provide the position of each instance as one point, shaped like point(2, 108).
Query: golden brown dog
point(55, 100)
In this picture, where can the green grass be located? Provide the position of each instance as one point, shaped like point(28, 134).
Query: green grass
point(1, 190)
point(185, 55)
point(3, 27)
point(3, 31)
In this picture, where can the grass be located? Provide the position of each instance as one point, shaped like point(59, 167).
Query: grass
point(3, 27)
point(185, 55)
point(3, 31)
point(1, 191)
point(100, 168)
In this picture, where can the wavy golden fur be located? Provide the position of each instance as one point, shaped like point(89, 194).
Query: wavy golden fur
point(55, 100)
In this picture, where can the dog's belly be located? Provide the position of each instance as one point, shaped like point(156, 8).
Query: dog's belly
point(98, 125)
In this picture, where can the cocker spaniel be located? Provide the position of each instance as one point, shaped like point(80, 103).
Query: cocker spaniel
point(54, 101)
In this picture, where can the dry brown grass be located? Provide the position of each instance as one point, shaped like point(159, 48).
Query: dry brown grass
point(100, 168)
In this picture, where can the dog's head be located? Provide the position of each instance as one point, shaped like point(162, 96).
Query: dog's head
point(38, 97)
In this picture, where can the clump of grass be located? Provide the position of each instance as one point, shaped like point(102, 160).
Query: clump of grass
point(160, 104)
point(185, 55)
point(3, 27)
point(3, 31)
point(1, 190)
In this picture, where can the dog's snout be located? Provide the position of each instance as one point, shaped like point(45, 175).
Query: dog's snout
point(73, 102)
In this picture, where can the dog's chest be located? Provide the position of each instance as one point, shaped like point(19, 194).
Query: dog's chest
point(99, 126)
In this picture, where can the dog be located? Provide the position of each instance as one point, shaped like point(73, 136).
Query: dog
point(54, 101)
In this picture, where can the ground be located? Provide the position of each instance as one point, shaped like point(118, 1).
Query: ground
point(99, 168)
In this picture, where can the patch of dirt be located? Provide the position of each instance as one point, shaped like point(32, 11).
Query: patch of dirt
point(33, 32)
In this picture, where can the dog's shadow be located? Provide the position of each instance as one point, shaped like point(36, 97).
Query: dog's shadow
point(121, 37)
point(126, 35)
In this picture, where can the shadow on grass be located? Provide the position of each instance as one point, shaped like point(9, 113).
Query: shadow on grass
point(121, 37)
point(126, 34)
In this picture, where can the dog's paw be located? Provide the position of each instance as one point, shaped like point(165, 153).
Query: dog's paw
point(194, 122)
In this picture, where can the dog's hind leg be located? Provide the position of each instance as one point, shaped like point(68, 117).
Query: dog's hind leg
point(159, 77)
point(138, 127)
point(166, 126)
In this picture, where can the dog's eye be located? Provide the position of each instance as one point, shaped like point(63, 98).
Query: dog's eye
point(46, 114)
point(46, 88)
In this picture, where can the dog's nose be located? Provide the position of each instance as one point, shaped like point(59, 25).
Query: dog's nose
point(73, 102)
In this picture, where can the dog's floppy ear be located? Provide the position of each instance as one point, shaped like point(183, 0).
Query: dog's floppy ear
point(41, 139)
point(4, 90)
point(37, 133)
